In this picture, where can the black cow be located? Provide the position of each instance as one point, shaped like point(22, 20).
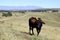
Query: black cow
point(34, 23)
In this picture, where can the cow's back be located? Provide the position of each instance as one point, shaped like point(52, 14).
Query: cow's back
point(32, 22)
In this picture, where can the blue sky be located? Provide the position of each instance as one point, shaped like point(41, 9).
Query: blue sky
point(41, 3)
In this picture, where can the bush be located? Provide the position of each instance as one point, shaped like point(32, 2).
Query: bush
point(4, 14)
point(7, 14)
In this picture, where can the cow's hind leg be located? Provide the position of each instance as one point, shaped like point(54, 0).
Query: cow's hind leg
point(30, 30)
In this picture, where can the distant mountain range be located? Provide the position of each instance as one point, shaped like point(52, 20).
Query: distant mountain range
point(19, 7)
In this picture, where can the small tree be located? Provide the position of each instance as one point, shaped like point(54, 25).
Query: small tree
point(9, 14)
point(54, 10)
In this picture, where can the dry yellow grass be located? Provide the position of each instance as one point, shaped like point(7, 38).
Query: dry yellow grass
point(16, 27)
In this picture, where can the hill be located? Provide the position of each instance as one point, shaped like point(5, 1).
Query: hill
point(19, 7)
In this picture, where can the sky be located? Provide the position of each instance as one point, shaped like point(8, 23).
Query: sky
point(40, 3)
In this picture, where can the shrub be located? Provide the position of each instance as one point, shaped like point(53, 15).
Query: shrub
point(4, 14)
point(7, 14)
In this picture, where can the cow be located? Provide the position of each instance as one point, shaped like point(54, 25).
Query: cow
point(35, 23)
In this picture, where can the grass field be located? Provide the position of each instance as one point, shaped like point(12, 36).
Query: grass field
point(16, 26)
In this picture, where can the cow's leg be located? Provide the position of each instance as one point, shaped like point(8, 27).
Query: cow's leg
point(32, 31)
point(37, 31)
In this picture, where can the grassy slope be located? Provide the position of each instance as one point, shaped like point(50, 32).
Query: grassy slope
point(16, 27)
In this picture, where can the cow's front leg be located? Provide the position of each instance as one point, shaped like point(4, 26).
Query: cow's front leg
point(37, 31)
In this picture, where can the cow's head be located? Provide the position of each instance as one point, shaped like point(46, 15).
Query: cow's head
point(41, 21)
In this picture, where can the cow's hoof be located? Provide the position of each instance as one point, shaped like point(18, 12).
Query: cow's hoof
point(37, 34)
point(33, 34)
point(30, 34)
